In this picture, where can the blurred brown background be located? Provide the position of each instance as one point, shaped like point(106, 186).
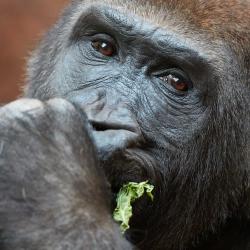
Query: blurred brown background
point(22, 22)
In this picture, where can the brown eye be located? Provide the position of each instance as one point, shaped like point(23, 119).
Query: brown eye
point(176, 82)
point(104, 47)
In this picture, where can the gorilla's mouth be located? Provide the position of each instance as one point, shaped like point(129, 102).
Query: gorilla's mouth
point(104, 126)
point(112, 143)
point(118, 147)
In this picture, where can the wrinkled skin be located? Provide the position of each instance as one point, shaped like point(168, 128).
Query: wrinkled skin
point(189, 138)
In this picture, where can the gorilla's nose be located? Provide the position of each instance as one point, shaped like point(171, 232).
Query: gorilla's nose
point(114, 128)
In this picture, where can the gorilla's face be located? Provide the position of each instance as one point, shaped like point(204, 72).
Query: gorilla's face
point(144, 89)
point(162, 104)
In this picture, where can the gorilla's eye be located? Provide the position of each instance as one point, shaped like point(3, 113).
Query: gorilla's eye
point(177, 81)
point(104, 47)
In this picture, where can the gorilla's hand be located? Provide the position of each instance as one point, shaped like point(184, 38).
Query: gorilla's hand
point(48, 175)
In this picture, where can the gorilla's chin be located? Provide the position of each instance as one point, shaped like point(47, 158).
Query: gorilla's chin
point(131, 164)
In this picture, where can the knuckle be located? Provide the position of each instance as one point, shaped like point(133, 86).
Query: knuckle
point(62, 109)
point(61, 105)
point(19, 107)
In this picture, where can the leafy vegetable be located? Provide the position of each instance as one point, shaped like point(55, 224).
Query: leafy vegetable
point(126, 196)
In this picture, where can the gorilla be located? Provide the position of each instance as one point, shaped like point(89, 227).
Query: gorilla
point(123, 91)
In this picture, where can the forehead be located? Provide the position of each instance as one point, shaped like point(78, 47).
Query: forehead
point(209, 15)
point(209, 23)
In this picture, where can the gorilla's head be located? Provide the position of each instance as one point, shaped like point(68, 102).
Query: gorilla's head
point(165, 86)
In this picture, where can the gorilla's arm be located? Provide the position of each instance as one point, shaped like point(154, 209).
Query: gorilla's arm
point(52, 194)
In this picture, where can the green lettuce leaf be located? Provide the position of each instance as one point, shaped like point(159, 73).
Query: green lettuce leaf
point(126, 196)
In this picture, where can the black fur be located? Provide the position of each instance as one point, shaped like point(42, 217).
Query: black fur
point(192, 145)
